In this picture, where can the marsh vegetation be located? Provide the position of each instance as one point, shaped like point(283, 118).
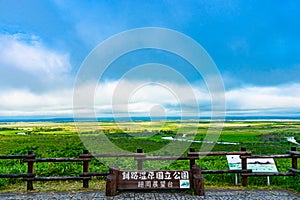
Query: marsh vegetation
point(53, 140)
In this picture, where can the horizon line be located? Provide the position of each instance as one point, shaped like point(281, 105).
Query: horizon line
point(148, 118)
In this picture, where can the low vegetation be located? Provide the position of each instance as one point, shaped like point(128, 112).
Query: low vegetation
point(53, 140)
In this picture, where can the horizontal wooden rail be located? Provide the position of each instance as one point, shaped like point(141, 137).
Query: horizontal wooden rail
point(57, 160)
point(4, 157)
point(112, 155)
point(94, 174)
point(226, 171)
point(57, 178)
point(220, 153)
point(293, 152)
point(16, 175)
point(269, 174)
point(167, 158)
point(267, 156)
point(294, 170)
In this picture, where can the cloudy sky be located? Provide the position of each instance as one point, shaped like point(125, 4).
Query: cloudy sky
point(254, 44)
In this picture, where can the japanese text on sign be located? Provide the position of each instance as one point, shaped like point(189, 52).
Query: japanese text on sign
point(157, 179)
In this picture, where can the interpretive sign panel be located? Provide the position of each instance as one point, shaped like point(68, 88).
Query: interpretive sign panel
point(153, 179)
point(256, 164)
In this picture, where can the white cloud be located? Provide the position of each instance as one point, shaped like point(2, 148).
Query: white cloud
point(26, 103)
point(139, 98)
point(264, 98)
point(26, 60)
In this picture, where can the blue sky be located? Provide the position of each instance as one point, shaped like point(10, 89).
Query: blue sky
point(255, 45)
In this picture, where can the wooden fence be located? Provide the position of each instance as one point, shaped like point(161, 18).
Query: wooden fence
point(140, 157)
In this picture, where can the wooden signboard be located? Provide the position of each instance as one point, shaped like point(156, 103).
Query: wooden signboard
point(153, 180)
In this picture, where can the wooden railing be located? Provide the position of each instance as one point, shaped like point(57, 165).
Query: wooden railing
point(244, 169)
point(11, 157)
point(244, 155)
point(290, 154)
point(140, 157)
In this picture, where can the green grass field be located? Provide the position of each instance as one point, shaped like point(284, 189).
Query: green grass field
point(50, 139)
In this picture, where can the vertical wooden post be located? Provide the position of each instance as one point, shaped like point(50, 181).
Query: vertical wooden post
point(192, 160)
point(197, 180)
point(114, 170)
point(294, 159)
point(111, 185)
point(140, 162)
point(30, 170)
point(195, 170)
point(244, 167)
point(86, 169)
point(111, 182)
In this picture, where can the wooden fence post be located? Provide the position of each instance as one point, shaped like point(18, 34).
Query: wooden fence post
point(197, 181)
point(140, 162)
point(244, 167)
point(85, 169)
point(294, 159)
point(111, 182)
point(30, 170)
point(194, 170)
point(192, 160)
